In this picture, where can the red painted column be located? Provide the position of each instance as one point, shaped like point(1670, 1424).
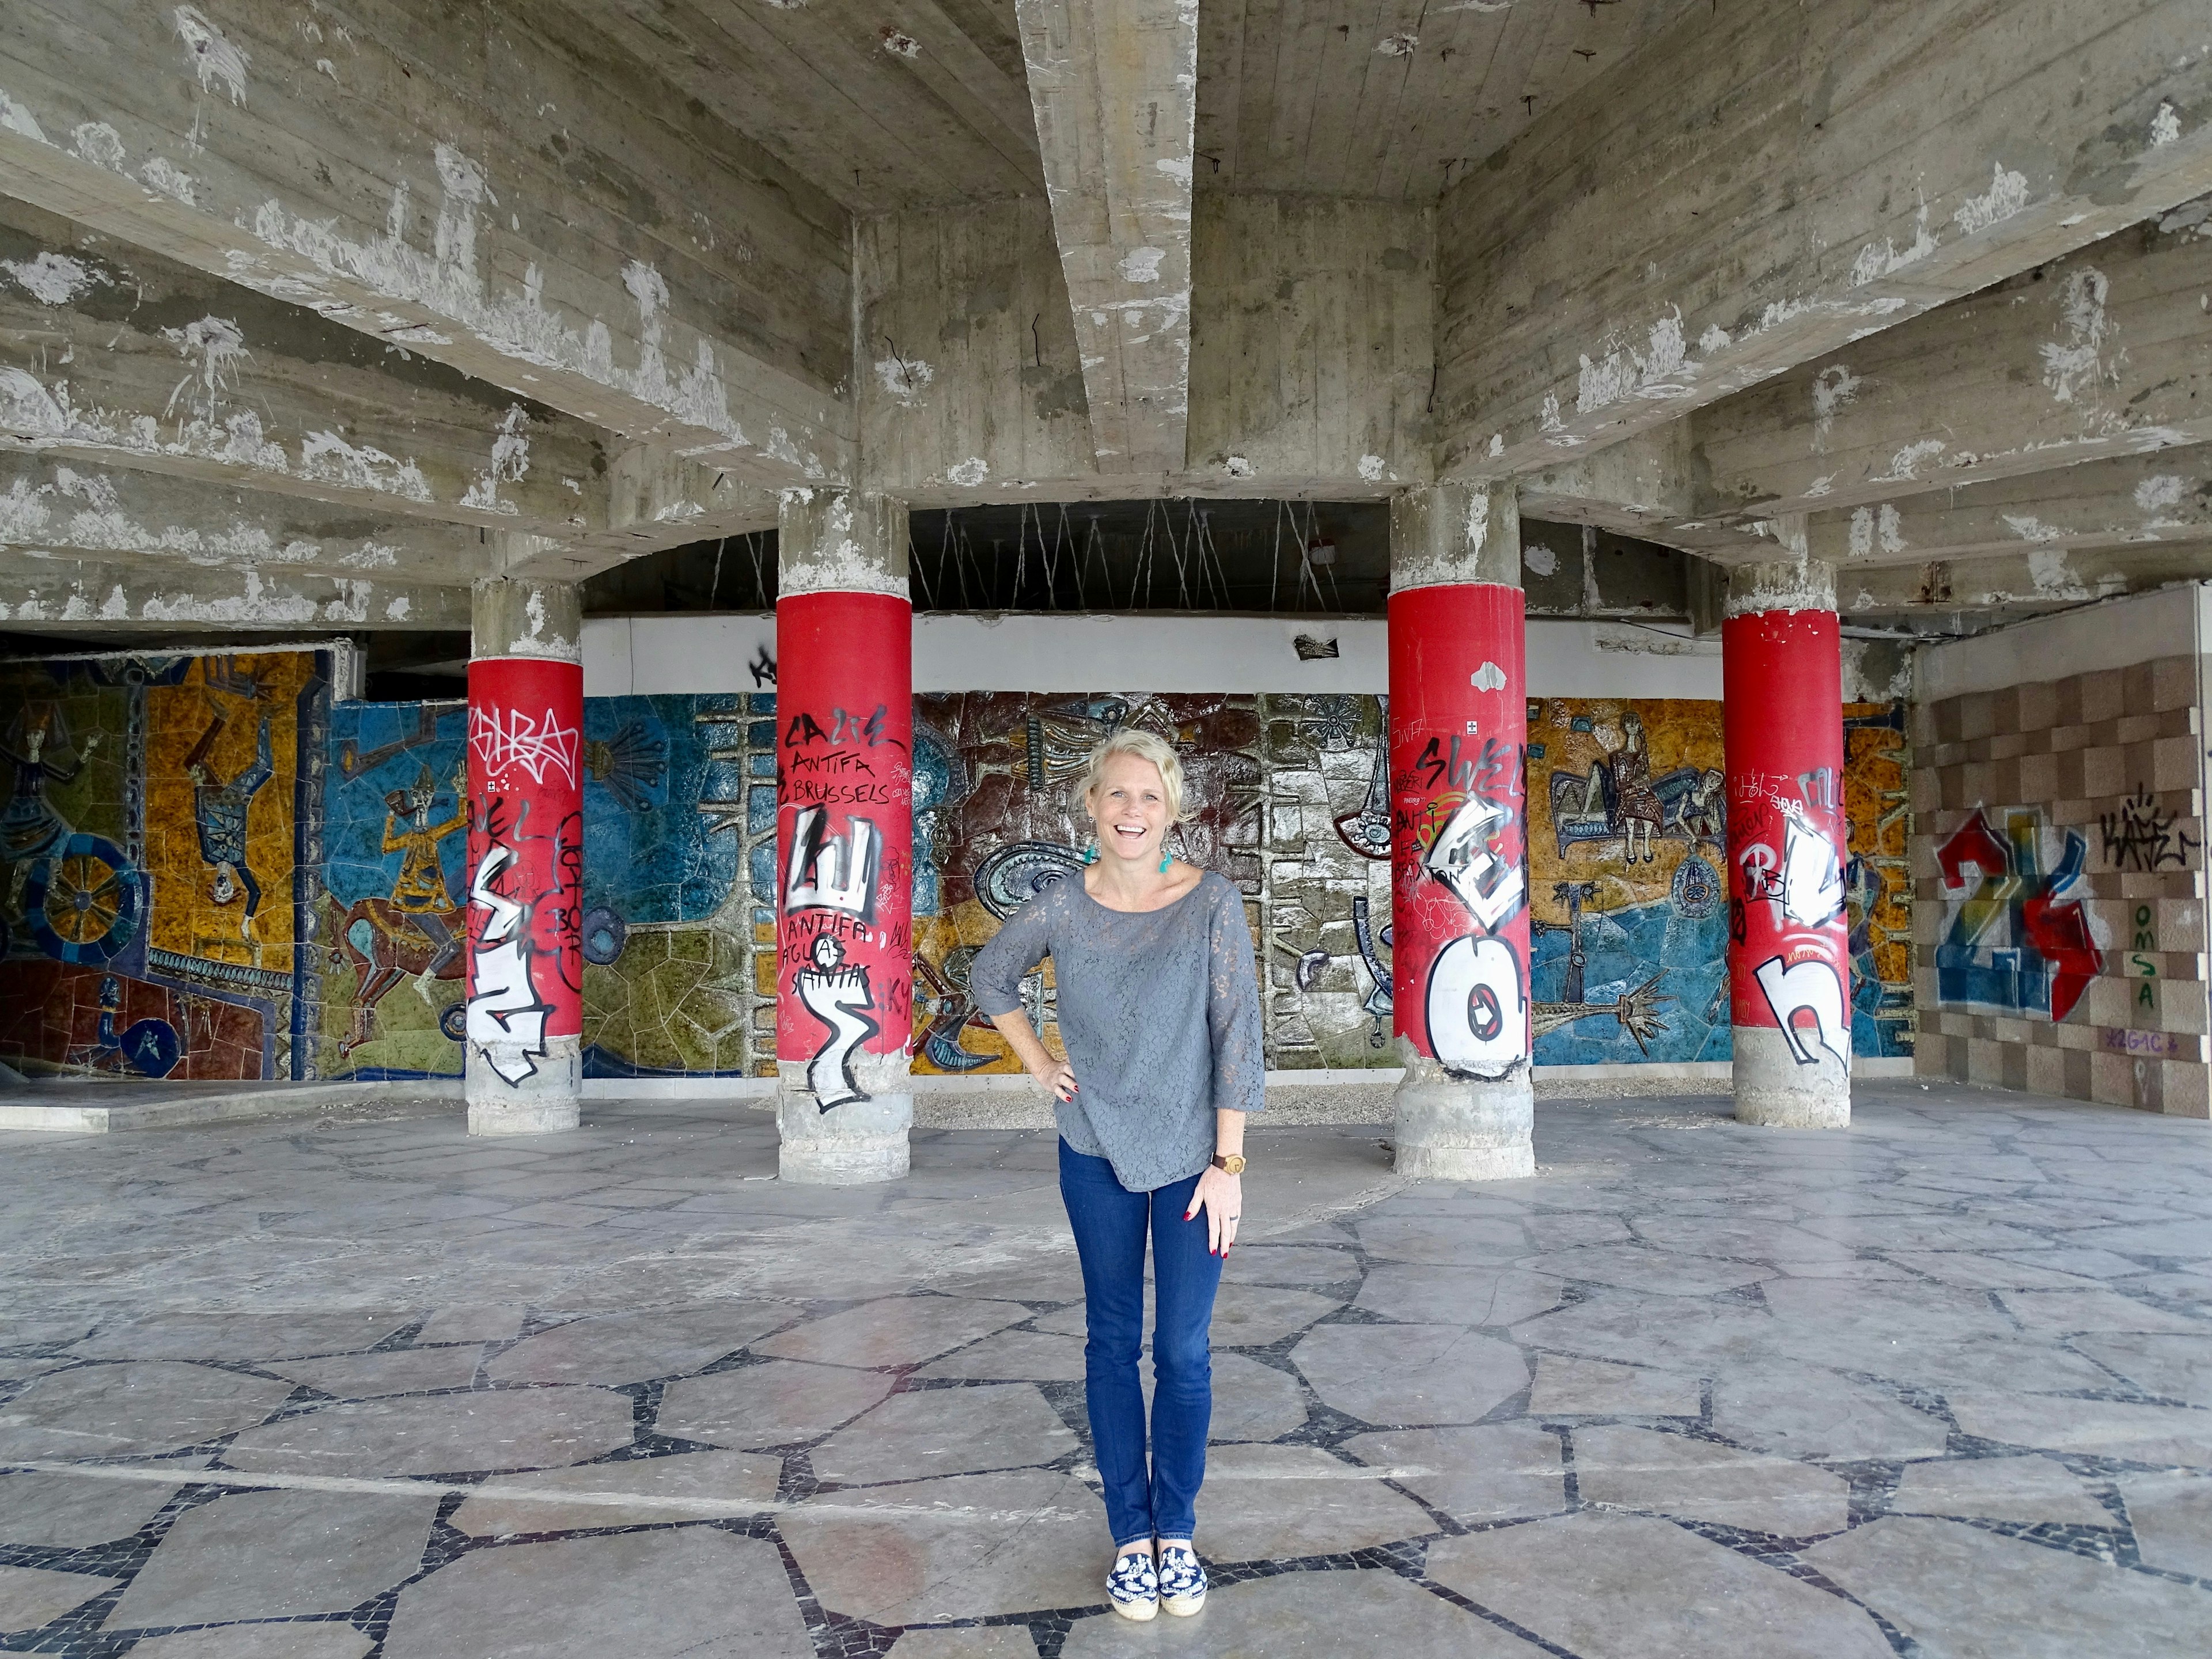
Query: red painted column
point(525, 1013)
point(1458, 738)
point(1788, 948)
point(844, 838)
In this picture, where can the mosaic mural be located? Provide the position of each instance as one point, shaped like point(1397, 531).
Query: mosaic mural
point(1627, 832)
point(212, 871)
point(163, 854)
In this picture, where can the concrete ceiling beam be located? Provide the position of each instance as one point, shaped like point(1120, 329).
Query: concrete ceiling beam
point(135, 361)
point(1115, 85)
point(518, 199)
point(2130, 501)
point(2106, 352)
point(2018, 582)
point(104, 596)
point(1763, 185)
point(133, 517)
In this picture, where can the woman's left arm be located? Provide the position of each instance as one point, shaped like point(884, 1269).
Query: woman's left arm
point(1240, 1078)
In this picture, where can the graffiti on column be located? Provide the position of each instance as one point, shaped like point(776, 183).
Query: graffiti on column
point(525, 861)
point(2017, 937)
point(1790, 906)
point(1460, 924)
point(845, 787)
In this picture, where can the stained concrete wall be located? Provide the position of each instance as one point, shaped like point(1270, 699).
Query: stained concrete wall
point(2057, 856)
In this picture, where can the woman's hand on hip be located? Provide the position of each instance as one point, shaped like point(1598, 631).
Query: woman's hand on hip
point(1221, 1195)
point(1058, 1077)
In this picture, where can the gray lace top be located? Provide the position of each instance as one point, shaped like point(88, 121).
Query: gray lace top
point(1159, 1009)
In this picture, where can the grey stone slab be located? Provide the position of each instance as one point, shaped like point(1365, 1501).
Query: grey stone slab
point(1457, 1295)
point(1490, 1472)
point(1409, 1376)
point(1014, 1357)
point(44, 1330)
point(32, 1596)
point(1307, 1615)
point(2186, 1240)
point(1472, 1241)
point(241, 1336)
point(971, 1642)
point(2033, 1490)
point(1698, 1481)
point(1637, 1267)
point(675, 1593)
point(1705, 1338)
point(941, 1431)
point(2099, 1428)
point(472, 1322)
point(21, 1368)
point(1627, 1587)
point(399, 1370)
point(1963, 1592)
point(1802, 1411)
point(1974, 1272)
point(1923, 1231)
point(442, 1434)
point(1565, 1232)
point(304, 1639)
point(1255, 1317)
point(1288, 1264)
point(1777, 1244)
point(1568, 1387)
point(967, 1548)
point(634, 1492)
point(73, 1511)
point(1251, 1400)
point(2176, 1367)
point(776, 1404)
point(144, 1405)
point(640, 1346)
point(2066, 1312)
point(1867, 1318)
point(903, 1330)
point(1280, 1502)
point(2172, 1515)
point(276, 1555)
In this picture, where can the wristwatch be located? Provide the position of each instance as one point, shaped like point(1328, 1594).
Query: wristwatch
point(1229, 1162)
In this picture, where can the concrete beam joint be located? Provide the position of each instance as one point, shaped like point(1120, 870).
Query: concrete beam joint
point(1801, 584)
point(513, 617)
point(1455, 532)
point(841, 541)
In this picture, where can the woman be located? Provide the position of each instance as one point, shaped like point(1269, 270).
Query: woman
point(1160, 1010)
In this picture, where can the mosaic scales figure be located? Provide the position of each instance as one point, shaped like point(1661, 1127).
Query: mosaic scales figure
point(419, 892)
point(219, 811)
point(30, 827)
point(1635, 802)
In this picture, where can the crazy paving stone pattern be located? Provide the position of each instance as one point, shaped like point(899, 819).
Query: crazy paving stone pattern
point(1940, 1384)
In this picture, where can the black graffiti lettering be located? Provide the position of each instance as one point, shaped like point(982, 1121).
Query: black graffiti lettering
point(804, 728)
point(2142, 837)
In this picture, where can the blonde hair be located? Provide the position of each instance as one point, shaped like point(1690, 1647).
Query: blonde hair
point(1142, 744)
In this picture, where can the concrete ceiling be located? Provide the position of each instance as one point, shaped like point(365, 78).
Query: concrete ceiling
point(310, 313)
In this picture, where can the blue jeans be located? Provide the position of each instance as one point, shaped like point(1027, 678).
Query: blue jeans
point(1109, 1223)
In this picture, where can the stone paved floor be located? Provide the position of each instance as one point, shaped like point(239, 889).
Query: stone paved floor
point(1941, 1385)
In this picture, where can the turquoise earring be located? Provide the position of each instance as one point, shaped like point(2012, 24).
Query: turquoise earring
point(1091, 853)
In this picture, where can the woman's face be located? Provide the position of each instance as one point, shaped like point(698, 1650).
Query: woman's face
point(1129, 806)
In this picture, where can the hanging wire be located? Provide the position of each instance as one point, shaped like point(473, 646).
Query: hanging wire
point(714, 588)
point(1094, 547)
point(1313, 539)
point(920, 571)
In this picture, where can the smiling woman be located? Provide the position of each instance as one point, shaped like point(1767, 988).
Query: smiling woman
point(1159, 1008)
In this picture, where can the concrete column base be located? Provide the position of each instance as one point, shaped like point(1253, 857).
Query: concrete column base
point(848, 1145)
point(1772, 1088)
point(546, 1102)
point(1450, 1129)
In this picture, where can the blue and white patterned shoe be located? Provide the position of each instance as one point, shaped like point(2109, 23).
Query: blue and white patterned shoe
point(1133, 1587)
point(1182, 1580)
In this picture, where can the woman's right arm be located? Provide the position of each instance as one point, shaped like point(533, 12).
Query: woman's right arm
point(994, 979)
